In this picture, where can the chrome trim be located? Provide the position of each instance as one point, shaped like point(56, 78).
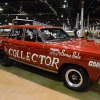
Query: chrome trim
point(34, 66)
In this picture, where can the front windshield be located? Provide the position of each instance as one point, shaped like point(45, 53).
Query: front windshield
point(54, 34)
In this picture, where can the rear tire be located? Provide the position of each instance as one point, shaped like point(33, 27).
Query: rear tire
point(4, 59)
point(75, 78)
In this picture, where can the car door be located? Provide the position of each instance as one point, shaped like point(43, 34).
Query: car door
point(15, 49)
point(34, 52)
point(52, 36)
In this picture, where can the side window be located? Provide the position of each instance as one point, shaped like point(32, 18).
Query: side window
point(38, 37)
point(4, 32)
point(32, 35)
point(16, 34)
point(28, 35)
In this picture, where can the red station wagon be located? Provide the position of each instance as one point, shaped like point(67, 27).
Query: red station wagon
point(51, 49)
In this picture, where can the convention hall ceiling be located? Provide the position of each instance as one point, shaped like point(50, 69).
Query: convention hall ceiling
point(53, 12)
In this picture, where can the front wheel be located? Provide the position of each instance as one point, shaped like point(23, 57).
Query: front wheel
point(75, 78)
point(4, 59)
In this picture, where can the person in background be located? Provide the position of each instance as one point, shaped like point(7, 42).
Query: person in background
point(75, 32)
point(79, 33)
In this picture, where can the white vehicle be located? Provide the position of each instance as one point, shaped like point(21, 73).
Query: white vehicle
point(70, 33)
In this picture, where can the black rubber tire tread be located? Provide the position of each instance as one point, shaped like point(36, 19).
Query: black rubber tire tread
point(84, 76)
point(8, 62)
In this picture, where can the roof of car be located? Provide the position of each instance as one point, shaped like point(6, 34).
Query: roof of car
point(26, 26)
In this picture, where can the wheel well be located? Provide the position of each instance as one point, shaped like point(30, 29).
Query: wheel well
point(69, 64)
point(1, 50)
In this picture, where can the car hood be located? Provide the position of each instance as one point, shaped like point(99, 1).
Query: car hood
point(81, 45)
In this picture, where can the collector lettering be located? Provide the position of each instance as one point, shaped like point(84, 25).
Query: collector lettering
point(47, 60)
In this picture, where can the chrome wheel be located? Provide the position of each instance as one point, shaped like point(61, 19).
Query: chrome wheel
point(73, 78)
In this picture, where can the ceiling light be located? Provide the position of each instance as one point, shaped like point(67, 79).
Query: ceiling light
point(62, 15)
point(64, 6)
point(1, 9)
point(6, 3)
point(65, 1)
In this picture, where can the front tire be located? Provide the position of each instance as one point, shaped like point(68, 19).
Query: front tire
point(4, 59)
point(75, 78)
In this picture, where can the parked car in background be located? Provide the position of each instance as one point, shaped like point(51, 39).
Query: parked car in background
point(71, 34)
point(52, 49)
